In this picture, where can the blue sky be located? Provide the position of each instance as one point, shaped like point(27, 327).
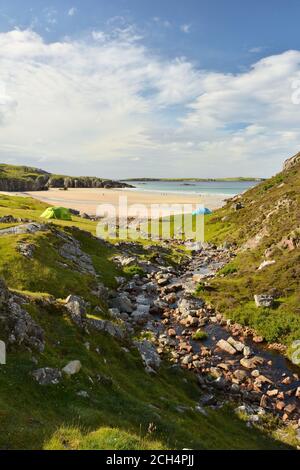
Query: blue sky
point(168, 88)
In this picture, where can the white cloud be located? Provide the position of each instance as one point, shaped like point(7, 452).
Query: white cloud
point(72, 11)
point(104, 103)
point(185, 28)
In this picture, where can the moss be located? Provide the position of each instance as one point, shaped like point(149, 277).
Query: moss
point(199, 335)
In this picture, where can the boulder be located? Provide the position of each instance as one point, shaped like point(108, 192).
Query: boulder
point(123, 303)
point(264, 300)
point(76, 307)
point(252, 362)
point(47, 376)
point(72, 368)
point(149, 355)
point(107, 327)
point(82, 262)
point(225, 346)
point(17, 323)
point(238, 345)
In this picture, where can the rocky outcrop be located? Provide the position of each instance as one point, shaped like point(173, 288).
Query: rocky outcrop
point(18, 324)
point(84, 182)
point(291, 162)
point(33, 179)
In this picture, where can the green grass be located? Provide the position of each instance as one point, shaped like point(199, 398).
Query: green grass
point(126, 403)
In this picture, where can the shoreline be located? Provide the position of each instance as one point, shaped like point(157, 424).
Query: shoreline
point(88, 199)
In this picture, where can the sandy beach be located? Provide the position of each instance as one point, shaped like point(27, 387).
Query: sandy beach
point(88, 200)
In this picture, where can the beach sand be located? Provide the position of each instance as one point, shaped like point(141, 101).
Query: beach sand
point(87, 200)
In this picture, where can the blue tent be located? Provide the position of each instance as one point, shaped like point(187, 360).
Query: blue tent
point(202, 211)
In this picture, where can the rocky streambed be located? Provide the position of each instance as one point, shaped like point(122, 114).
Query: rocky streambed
point(232, 362)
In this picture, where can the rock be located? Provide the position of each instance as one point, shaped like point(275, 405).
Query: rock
point(251, 363)
point(187, 359)
point(263, 401)
point(290, 408)
point(225, 346)
point(238, 345)
point(187, 306)
point(83, 394)
point(241, 375)
point(123, 303)
point(31, 227)
point(264, 300)
point(76, 306)
point(143, 300)
point(8, 219)
point(141, 314)
point(297, 393)
point(26, 249)
point(247, 351)
point(258, 339)
point(171, 332)
point(71, 251)
point(272, 393)
point(72, 368)
point(106, 327)
point(117, 315)
point(17, 323)
point(149, 354)
point(264, 264)
point(47, 376)
point(125, 260)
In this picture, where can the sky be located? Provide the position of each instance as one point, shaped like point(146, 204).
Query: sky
point(138, 88)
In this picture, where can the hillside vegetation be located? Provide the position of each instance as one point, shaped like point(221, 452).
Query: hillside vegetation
point(261, 225)
point(25, 178)
point(112, 402)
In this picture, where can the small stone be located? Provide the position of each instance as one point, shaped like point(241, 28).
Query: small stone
point(272, 393)
point(72, 368)
point(171, 332)
point(280, 405)
point(290, 408)
point(258, 339)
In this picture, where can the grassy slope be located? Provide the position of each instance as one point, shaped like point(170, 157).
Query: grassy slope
point(120, 408)
point(272, 210)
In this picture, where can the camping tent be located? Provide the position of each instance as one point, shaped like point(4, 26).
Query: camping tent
point(201, 211)
point(57, 213)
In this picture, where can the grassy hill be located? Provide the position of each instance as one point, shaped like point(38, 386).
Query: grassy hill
point(112, 403)
point(262, 225)
point(25, 178)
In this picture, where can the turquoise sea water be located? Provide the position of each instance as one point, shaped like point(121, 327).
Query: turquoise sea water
point(228, 188)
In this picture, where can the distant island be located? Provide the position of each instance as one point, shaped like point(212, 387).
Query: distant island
point(195, 180)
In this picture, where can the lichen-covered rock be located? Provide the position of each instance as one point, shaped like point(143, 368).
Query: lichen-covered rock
point(122, 302)
point(72, 368)
point(264, 300)
point(106, 326)
point(149, 355)
point(76, 307)
point(19, 325)
point(71, 251)
point(47, 376)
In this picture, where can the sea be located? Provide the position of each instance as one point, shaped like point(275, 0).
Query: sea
point(226, 188)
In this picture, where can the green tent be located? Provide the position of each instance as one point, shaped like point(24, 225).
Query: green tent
point(57, 213)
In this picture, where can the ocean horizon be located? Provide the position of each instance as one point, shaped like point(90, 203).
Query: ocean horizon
point(224, 188)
